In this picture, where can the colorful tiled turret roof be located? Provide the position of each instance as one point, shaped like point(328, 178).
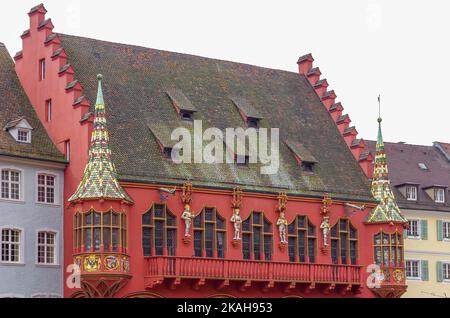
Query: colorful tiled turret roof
point(387, 210)
point(100, 176)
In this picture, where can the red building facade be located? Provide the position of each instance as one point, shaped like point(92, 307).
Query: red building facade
point(126, 228)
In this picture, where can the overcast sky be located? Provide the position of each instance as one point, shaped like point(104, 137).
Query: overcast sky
point(399, 49)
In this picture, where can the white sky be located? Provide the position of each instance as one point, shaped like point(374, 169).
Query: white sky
point(399, 49)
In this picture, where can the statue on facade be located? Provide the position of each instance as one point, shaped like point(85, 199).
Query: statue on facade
point(325, 227)
point(187, 216)
point(282, 224)
point(237, 221)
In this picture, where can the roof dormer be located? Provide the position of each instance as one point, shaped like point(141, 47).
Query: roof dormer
point(247, 111)
point(181, 103)
point(436, 193)
point(20, 130)
point(303, 156)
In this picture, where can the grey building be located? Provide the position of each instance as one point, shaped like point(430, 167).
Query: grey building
point(31, 196)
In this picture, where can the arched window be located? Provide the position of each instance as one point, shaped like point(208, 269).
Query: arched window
point(344, 243)
point(257, 237)
point(302, 240)
point(209, 234)
point(100, 231)
point(388, 249)
point(159, 231)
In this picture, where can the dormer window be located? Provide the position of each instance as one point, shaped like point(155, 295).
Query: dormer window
point(253, 122)
point(308, 167)
point(181, 103)
point(167, 151)
point(23, 135)
point(439, 195)
point(303, 156)
point(20, 130)
point(411, 193)
point(186, 115)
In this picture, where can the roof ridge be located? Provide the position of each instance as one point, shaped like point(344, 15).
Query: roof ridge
point(118, 44)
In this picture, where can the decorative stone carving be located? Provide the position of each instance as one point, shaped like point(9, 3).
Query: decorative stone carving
point(326, 228)
point(236, 219)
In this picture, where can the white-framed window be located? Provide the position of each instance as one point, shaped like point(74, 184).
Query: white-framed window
point(23, 135)
point(414, 229)
point(446, 230)
point(49, 111)
point(11, 245)
point(439, 195)
point(446, 271)
point(412, 269)
point(67, 149)
point(46, 247)
point(10, 184)
point(41, 69)
point(46, 185)
point(411, 193)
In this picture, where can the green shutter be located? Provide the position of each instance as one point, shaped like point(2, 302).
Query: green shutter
point(439, 272)
point(439, 230)
point(405, 234)
point(424, 270)
point(424, 229)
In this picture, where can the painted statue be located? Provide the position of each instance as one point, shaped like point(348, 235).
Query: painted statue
point(187, 216)
point(282, 224)
point(325, 227)
point(237, 221)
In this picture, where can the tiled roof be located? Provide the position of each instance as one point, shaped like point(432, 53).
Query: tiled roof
point(15, 106)
point(403, 160)
point(135, 82)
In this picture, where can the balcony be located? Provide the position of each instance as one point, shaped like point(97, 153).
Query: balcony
point(175, 269)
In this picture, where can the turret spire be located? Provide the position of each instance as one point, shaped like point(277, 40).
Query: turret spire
point(100, 176)
point(387, 210)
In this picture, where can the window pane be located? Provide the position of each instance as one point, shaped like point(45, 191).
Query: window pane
point(256, 218)
point(159, 210)
point(198, 238)
point(147, 241)
point(147, 218)
point(302, 246)
point(220, 244)
point(107, 218)
point(87, 239)
point(246, 246)
point(257, 243)
point(198, 221)
point(106, 238)
point(312, 250)
point(268, 247)
point(209, 214)
point(171, 234)
point(343, 248)
point(171, 219)
point(209, 235)
point(291, 248)
point(159, 237)
point(115, 239)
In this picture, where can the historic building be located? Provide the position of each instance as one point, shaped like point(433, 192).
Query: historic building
point(31, 196)
point(140, 225)
point(421, 180)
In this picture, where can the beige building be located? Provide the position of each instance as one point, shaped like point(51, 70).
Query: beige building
point(420, 177)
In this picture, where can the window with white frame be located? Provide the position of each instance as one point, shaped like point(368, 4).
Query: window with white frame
point(411, 193)
point(439, 195)
point(412, 269)
point(10, 184)
point(11, 244)
point(46, 188)
point(446, 271)
point(23, 135)
point(413, 230)
point(46, 248)
point(446, 230)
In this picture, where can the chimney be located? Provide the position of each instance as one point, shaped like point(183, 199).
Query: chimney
point(305, 63)
point(321, 87)
point(37, 16)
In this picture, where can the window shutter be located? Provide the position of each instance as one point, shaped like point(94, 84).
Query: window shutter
point(439, 272)
point(424, 229)
point(424, 270)
point(439, 230)
point(405, 233)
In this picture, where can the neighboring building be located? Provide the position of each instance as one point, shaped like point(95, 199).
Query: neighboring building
point(153, 228)
point(31, 196)
point(421, 179)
